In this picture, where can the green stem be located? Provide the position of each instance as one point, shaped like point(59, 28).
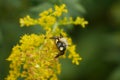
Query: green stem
point(55, 26)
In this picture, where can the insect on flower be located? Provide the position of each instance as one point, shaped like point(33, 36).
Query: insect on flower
point(61, 44)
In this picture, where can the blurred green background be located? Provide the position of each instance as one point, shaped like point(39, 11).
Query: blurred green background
point(98, 43)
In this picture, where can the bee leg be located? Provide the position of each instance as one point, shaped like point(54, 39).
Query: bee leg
point(59, 54)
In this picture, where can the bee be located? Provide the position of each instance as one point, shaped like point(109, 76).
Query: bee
point(61, 44)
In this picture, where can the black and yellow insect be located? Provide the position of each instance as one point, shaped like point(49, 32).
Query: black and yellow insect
point(61, 44)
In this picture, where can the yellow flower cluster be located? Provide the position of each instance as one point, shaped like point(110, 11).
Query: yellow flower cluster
point(49, 17)
point(77, 21)
point(74, 55)
point(34, 57)
point(46, 19)
point(28, 21)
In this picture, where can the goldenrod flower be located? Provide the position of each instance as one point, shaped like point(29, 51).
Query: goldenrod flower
point(77, 21)
point(34, 57)
point(59, 10)
point(80, 21)
point(27, 21)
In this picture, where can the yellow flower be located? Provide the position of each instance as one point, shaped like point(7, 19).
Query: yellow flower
point(27, 21)
point(80, 21)
point(77, 21)
point(59, 10)
point(47, 21)
point(34, 57)
point(74, 55)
